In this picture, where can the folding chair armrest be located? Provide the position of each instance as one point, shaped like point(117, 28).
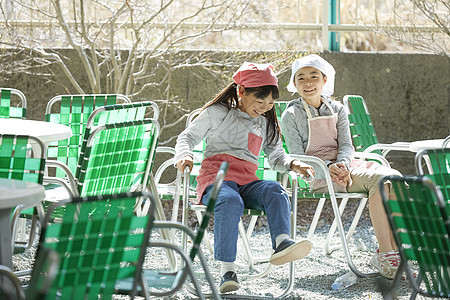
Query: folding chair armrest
point(398, 146)
point(374, 156)
point(310, 158)
point(165, 164)
point(7, 272)
point(176, 225)
point(72, 185)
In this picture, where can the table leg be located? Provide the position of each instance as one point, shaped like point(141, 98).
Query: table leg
point(6, 252)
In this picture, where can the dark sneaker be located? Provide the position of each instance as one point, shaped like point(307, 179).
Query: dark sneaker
point(229, 282)
point(289, 250)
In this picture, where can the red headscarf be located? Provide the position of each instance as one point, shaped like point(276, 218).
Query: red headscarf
point(254, 75)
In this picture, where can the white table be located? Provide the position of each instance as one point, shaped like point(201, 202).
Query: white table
point(46, 131)
point(13, 193)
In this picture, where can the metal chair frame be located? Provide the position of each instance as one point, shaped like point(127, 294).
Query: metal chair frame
point(421, 238)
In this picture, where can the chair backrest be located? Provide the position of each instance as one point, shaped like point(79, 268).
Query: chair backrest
point(417, 218)
point(99, 241)
point(74, 111)
point(13, 104)
point(439, 161)
point(16, 161)
point(117, 157)
point(361, 126)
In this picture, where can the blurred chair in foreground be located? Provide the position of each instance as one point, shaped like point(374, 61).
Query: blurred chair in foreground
point(419, 219)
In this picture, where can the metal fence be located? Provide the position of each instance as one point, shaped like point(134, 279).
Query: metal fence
point(338, 25)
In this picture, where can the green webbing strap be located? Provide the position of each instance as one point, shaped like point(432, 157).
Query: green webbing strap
point(15, 161)
point(361, 126)
point(6, 110)
point(419, 230)
point(116, 156)
point(99, 240)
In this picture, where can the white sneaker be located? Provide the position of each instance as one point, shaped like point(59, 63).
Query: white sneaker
point(386, 263)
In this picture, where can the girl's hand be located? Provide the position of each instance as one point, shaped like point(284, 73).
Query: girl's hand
point(302, 168)
point(340, 174)
point(184, 162)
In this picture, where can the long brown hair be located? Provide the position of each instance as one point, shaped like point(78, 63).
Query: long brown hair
point(229, 98)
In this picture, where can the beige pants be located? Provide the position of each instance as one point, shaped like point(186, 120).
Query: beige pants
point(367, 179)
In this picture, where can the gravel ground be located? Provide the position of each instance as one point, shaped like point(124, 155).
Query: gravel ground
point(314, 274)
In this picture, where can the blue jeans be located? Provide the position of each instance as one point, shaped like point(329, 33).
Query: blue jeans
point(231, 201)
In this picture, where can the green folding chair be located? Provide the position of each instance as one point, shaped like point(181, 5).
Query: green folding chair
point(363, 131)
point(166, 282)
point(438, 162)
point(109, 130)
point(114, 158)
point(13, 104)
point(419, 219)
point(74, 111)
point(16, 162)
point(98, 241)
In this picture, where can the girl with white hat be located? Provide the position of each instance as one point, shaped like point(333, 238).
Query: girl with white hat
point(316, 125)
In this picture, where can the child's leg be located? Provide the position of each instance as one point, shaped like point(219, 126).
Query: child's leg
point(380, 222)
point(271, 197)
point(386, 258)
point(227, 214)
point(367, 180)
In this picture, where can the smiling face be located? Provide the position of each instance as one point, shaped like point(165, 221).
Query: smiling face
point(309, 83)
point(252, 105)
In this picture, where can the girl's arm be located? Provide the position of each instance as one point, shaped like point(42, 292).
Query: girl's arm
point(295, 131)
point(190, 137)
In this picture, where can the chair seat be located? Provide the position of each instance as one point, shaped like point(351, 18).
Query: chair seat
point(306, 193)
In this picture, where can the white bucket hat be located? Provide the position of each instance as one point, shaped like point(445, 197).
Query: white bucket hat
point(320, 64)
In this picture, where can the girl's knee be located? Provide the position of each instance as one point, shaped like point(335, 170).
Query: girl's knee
point(230, 202)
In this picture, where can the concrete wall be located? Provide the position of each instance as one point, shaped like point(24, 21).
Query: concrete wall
point(407, 94)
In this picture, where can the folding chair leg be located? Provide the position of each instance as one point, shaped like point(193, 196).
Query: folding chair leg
point(328, 248)
point(251, 226)
point(159, 215)
point(343, 238)
point(315, 220)
point(330, 234)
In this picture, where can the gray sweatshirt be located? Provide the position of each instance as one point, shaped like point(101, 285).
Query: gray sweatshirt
point(232, 132)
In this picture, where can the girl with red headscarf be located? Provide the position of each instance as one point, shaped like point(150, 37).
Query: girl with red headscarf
point(237, 125)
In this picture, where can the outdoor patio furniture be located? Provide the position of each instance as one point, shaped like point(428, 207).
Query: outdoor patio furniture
point(362, 129)
point(13, 104)
point(74, 111)
point(17, 163)
point(98, 241)
point(419, 219)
